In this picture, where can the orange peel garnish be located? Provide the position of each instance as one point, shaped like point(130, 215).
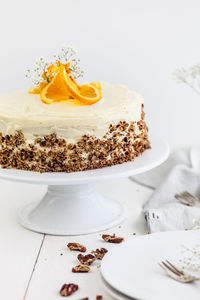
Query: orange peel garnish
point(63, 86)
point(88, 93)
point(56, 90)
point(97, 84)
point(34, 90)
point(37, 90)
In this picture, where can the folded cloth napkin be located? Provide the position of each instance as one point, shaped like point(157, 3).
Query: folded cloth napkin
point(180, 173)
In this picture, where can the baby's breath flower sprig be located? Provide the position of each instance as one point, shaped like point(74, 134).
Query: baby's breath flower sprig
point(190, 77)
point(66, 55)
point(40, 72)
point(75, 68)
point(36, 75)
point(191, 260)
point(196, 225)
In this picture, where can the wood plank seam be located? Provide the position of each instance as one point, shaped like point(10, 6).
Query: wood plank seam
point(34, 266)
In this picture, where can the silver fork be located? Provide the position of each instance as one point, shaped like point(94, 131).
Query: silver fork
point(188, 199)
point(176, 273)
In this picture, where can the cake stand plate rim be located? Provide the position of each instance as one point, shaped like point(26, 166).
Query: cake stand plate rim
point(148, 160)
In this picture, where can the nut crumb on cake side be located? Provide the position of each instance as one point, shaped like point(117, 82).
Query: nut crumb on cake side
point(122, 143)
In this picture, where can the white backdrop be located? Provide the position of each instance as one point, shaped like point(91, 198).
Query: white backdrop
point(138, 43)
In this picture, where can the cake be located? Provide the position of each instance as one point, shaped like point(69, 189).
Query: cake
point(67, 135)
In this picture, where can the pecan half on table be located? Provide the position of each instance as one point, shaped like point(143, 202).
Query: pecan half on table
point(99, 253)
point(81, 269)
point(86, 259)
point(112, 238)
point(76, 247)
point(68, 289)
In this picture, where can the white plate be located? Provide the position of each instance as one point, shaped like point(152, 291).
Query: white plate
point(132, 267)
point(114, 294)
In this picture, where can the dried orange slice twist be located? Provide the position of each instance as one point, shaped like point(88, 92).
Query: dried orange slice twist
point(63, 87)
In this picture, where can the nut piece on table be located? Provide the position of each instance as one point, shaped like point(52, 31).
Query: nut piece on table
point(76, 247)
point(112, 238)
point(86, 259)
point(85, 298)
point(81, 269)
point(99, 253)
point(68, 289)
point(99, 297)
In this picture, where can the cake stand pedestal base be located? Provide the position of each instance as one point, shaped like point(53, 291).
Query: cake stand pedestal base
point(72, 210)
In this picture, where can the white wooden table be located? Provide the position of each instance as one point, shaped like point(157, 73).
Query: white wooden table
point(34, 266)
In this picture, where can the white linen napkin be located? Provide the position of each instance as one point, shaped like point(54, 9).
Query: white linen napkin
point(180, 173)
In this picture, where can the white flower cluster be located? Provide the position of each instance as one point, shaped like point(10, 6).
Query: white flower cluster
point(196, 225)
point(35, 75)
point(66, 55)
point(191, 259)
point(190, 77)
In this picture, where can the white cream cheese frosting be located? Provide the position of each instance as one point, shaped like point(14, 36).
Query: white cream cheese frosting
point(20, 110)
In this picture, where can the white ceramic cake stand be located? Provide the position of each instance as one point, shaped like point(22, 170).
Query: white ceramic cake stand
point(71, 206)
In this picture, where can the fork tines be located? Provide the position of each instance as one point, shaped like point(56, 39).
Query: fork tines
point(176, 273)
point(172, 268)
point(187, 198)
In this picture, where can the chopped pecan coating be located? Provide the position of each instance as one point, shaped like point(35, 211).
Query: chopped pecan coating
point(68, 289)
point(76, 247)
point(81, 269)
point(112, 238)
point(86, 259)
point(49, 153)
point(99, 253)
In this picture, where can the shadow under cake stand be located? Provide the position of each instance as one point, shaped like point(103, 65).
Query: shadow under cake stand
point(71, 205)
